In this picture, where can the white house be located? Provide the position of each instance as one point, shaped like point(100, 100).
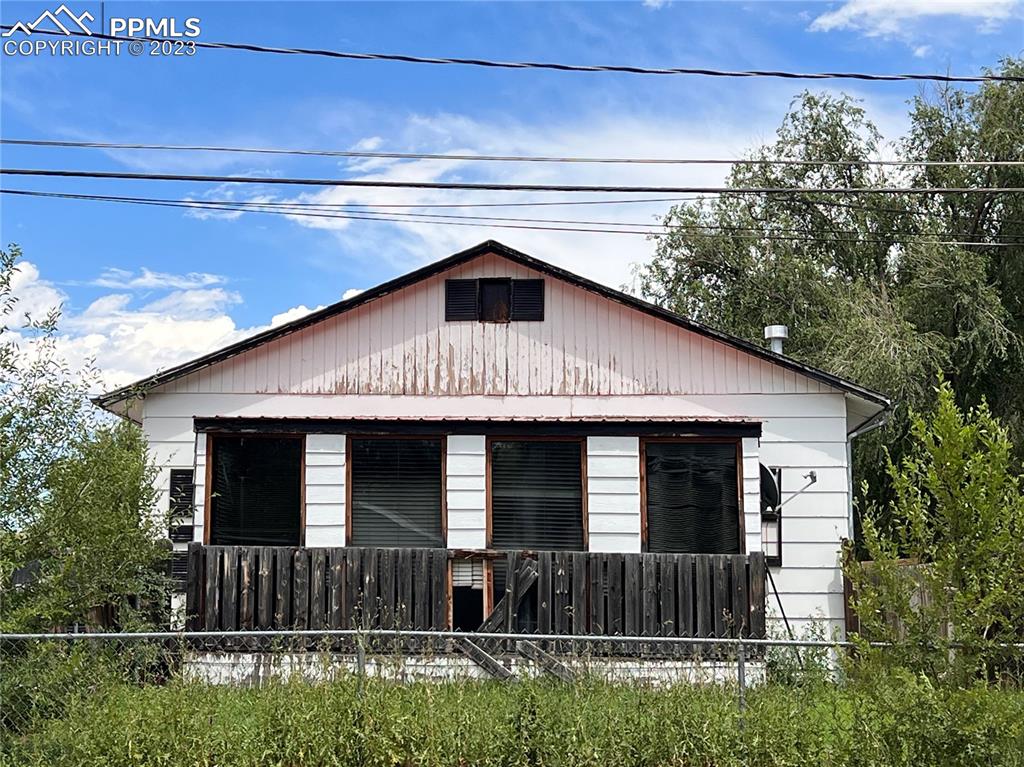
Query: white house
point(491, 401)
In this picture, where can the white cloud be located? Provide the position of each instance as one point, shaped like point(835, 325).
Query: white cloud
point(406, 242)
point(129, 342)
point(292, 314)
point(884, 18)
point(35, 297)
point(123, 279)
point(921, 51)
point(655, 4)
point(225, 193)
point(351, 293)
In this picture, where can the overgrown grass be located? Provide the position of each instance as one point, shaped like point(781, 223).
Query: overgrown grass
point(890, 720)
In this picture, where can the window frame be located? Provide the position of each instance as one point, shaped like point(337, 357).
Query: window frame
point(776, 516)
point(489, 494)
point(211, 447)
point(444, 484)
point(737, 441)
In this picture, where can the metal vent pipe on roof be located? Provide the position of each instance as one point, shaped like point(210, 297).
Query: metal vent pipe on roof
point(776, 334)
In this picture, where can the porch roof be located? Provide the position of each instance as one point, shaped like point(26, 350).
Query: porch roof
point(592, 425)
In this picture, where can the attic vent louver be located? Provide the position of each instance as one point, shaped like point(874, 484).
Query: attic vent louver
point(460, 301)
point(528, 300)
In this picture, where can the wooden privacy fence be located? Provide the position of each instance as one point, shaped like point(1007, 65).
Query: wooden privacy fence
point(562, 592)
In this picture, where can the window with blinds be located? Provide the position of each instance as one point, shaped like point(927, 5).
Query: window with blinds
point(256, 491)
point(536, 494)
point(692, 498)
point(396, 492)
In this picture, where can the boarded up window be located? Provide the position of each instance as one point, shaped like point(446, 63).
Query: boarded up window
point(256, 492)
point(692, 498)
point(495, 300)
point(396, 492)
point(536, 495)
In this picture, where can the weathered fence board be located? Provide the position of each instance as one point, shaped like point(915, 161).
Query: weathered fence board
point(655, 595)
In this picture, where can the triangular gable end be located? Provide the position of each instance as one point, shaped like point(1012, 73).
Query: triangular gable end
point(593, 341)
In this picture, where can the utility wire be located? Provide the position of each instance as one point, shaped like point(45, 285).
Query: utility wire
point(409, 59)
point(318, 207)
point(504, 158)
point(194, 205)
point(373, 183)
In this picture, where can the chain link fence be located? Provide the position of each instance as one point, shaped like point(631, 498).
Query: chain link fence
point(43, 675)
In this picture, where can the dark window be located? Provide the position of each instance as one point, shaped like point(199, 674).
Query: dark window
point(256, 493)
point(460, 300)
point(536, 495)
point(396, 492)
point(527, 300)
point(495, 300)
point(692, 498)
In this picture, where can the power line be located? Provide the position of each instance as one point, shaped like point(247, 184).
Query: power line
point(503, 158)
point(295, 205)
point(625, 69)
point(487, 186)
point(235, 207)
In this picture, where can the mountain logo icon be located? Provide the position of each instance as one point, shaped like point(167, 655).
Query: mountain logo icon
point(54, 18)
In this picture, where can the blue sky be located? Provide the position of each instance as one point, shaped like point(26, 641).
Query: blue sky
point(149, 287)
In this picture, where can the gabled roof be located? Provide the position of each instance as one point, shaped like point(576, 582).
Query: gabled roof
point(110, 399)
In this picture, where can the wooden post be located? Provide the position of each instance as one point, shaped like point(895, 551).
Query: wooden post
point(229, 589)
point(194, 587)
point(318, 573)
point(758, 593)
point(265, 588)
point(300, 589)
point(247, 588)
point(740, 600)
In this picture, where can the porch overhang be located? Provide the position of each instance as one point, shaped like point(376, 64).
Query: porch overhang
point(648, 426)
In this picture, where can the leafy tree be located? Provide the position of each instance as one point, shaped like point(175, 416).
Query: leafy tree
point(864, 281)
point(76, 493)
point(947, 552)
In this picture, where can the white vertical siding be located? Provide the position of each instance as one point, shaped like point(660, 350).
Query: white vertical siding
point(466, 482)
point(751, 473)
point(587, 345)
point(613, 493)
point(199, 499)
point(325, 490)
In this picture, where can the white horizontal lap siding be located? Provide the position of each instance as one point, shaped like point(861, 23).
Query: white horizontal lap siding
point(613, 493)
point(814, 521)
point(325, 490)
point(170, 444)
point(199, 496)
point(751, 490)
point(466, 485)
point(587, 345)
